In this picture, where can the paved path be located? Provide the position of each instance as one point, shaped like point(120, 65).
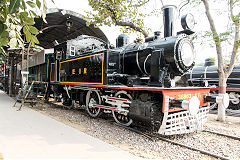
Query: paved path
point(27, 134)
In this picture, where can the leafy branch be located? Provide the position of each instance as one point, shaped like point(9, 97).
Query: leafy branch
point(122, 13)
point(17, 15)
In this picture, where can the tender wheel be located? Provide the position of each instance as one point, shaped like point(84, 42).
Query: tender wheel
point(57, 97)
point(93, 97)
point(66, 101)
point(121, 118)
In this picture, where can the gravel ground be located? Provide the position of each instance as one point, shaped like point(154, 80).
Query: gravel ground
point(231, 126)
point(106, 130)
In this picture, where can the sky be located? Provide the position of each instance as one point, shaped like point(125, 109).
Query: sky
point(203, 51)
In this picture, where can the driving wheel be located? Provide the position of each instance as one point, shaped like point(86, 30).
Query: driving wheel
point(119, 117)
point(93, 97)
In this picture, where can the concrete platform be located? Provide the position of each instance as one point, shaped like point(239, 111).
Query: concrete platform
point(27, 134)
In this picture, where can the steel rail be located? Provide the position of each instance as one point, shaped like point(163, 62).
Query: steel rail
point(222, 134)
point(193, 148)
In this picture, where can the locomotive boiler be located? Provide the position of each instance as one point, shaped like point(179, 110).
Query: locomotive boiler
point(139, 83)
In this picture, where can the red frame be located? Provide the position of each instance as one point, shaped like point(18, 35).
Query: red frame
point(178, 93)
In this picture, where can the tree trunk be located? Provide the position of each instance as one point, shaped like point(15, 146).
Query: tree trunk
point(222, 90)
point(221, 73)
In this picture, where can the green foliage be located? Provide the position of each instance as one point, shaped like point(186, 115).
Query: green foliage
point(14, 5)
point(219, 37)
point(195, 3)
point(114, 12)
point(212, 59)
point(19, 14)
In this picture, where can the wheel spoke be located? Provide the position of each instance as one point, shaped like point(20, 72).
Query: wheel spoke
point(121, 118)
point(93, 98)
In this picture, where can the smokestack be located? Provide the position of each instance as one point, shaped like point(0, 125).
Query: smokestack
point(168, 21)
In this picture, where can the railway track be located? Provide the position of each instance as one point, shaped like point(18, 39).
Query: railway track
point(156, 137)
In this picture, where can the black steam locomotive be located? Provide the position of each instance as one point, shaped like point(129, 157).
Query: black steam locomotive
point(207, 75)
point(138, 82)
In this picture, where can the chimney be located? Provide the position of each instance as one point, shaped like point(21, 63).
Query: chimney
point(168, 21)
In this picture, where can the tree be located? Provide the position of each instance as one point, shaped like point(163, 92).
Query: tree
point(17, 15)
point(218, 40)
point(124, 13)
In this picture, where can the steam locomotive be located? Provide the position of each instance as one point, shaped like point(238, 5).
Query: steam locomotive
point(207, 75)
point(140, 83)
